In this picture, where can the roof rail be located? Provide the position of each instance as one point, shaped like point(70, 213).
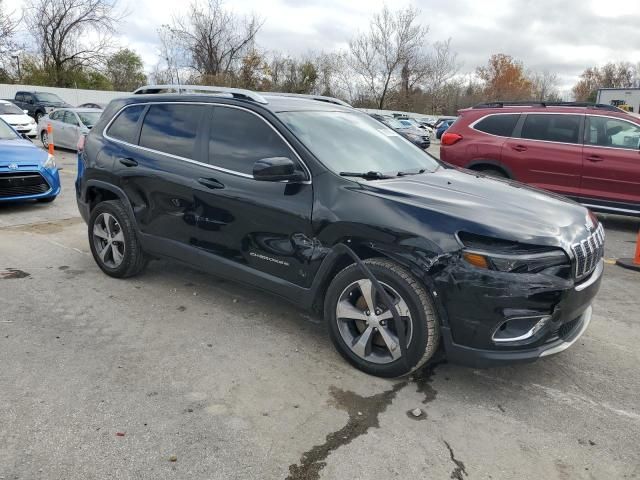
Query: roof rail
point(186, 89)
point(319, 98)
point(601, 106)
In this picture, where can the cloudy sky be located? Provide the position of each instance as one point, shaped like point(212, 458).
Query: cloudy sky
point(560, 36)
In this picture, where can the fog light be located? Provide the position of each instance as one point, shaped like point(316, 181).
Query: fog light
point(519, 329)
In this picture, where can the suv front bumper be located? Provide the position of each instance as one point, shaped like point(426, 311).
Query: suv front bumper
point(569, 308)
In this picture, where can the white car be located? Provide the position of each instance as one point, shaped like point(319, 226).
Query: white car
point(18, 119)
point(68, 125)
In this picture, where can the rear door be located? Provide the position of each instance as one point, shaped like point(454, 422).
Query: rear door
point(611, 174)
point(70, 130)
point(546, 152)
point(263, 225)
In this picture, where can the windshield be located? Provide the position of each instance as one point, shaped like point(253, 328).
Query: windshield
point(89, 118)
point(6, 132)
point(393, 123)
point(407, 123)
point(354, 142)
point(10, 109)
point(49, 97)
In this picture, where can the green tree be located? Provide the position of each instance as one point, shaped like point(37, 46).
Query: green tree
point(125, 70)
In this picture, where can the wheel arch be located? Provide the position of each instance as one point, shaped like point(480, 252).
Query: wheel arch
point(484, 163)
point(97, 191)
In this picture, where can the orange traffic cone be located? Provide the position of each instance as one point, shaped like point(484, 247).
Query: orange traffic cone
point(631, 263)
point(50, 138)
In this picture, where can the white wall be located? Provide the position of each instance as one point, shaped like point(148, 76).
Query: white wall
point(70, 95)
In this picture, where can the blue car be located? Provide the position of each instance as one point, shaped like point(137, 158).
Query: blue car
point(443, 128)
point(26, 171)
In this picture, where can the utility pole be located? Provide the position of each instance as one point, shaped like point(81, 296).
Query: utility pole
point(17, 57)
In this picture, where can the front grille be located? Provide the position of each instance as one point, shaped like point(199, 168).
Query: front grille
point(567, 328)
point(588, 253)
point(22, 183)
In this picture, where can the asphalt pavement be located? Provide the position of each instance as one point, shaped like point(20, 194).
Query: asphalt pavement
point(175, 374)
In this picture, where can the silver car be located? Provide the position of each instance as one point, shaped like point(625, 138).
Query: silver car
point(67, 124)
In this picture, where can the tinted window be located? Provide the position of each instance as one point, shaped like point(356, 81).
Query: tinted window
point(172, 128)
point(19, 97)
point(124, 126)
point(238, 139)
point(56, 115)
point(70, 118)
point(611, 132)
point(500, 125)
point(553, 128)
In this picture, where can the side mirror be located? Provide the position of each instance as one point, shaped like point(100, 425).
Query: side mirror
point(277, 169)
point(25, 111)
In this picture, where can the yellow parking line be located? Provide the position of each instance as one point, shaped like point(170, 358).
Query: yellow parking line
point(610, 261)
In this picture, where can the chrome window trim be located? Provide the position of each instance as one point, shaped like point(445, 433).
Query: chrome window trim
point(614, 209)
point(190, 160)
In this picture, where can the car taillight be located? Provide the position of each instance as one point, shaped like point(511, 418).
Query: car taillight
point(81, 143)
point(450, 138)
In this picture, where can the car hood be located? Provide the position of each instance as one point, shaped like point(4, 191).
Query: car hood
point(20, 152)
point(486, 206)
point(16, 119)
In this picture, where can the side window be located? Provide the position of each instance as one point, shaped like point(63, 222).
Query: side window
point(70, 118)
point(500, 125)
point(28, 98)
point(54, 115)
point(553, 128)
point(124, 126)
point(238, 139)
point(172, 128)
point(611, 132)
point(19, 97)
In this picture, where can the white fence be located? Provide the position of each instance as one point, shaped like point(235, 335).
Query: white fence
point(74, 96)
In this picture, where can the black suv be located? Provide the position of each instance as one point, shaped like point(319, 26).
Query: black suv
point(324, 206)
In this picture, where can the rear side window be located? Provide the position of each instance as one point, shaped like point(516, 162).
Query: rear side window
point(612, 132)
point(55, 115)
point(19, 97)
point(124, 126)
point(552, 128)
point(238, 139)
point(172, 128)
point(500, 125)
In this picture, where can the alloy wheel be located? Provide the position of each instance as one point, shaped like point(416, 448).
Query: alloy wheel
point(367, 326)
point(108, 240)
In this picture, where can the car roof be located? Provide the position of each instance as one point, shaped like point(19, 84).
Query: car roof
point(541, 107)
point(78, 109)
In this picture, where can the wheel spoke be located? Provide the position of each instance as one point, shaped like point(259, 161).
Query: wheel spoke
point(391, 341)
point(119, 237)
point(106, 218)
point(362, 346)
point(103, 252)
point(346, 311)
point(117, 256)
point(401, 307)
point(366, 288)
point(99, 231)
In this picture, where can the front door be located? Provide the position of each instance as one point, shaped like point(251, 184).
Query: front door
point(263, 225)
point(547, 152)
point(611, 173)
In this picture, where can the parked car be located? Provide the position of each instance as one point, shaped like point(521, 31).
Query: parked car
point(411, 123)
point(68, 124)
point(587, 152)
point(317, 203)
point(442, 127)
point(99, 106)
point(414, 135)
point(26, 171)
point(18, 119)
point(38, 104)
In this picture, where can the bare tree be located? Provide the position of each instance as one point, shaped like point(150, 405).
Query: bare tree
point(216, 39)
point(544, 85)
point(393, 40)
point(62, 29)
point(7, 29)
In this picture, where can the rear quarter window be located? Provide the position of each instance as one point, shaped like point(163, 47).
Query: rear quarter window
point(500, 125)
point(124, 127)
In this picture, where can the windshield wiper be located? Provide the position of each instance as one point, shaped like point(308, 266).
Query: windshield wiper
point(366, 175)
point(404, 174)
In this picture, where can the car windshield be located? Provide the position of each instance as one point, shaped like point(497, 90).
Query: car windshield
point(10, 109)
point(354, 142)
point(393, 123)
point(6, 132)
point(49, 97)
point(89, 118)
point(407, 123)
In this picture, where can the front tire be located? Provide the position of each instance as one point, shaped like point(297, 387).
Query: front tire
point(38, 116)
point(363, 330)
point(113, 241)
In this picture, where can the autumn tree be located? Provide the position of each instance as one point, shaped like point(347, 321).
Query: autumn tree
point(393, 40)
point(504, 78)
point(611, 75)
point(71, 35)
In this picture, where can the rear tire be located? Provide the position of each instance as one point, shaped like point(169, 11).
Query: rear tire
point(410, 296)
point(113, 241)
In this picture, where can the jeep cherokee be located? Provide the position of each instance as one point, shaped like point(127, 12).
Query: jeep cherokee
point(322, 205)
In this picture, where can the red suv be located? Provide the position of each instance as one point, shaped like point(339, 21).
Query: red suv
point(589, 152)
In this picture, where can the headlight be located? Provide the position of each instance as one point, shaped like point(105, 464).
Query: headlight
point(513, 257)
point(50, 163)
